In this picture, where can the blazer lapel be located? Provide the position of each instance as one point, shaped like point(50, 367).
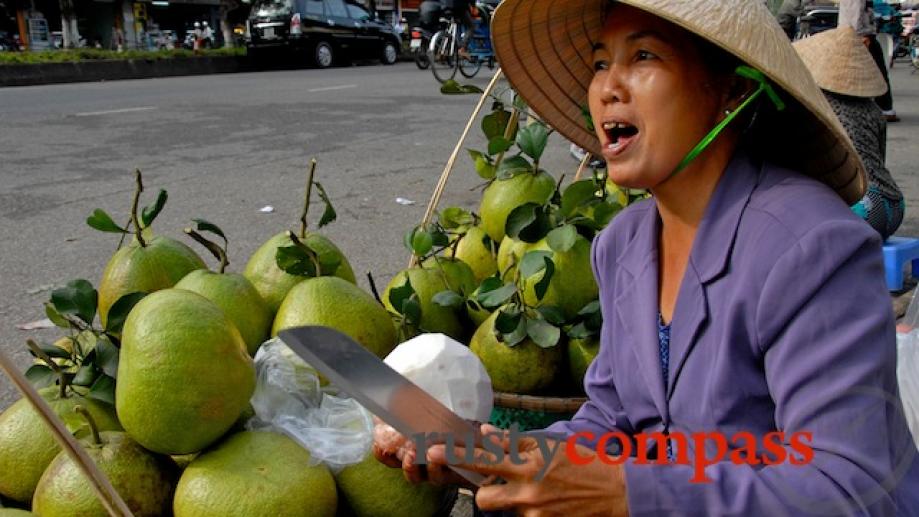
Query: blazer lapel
point(636, 306)
point(690, 313)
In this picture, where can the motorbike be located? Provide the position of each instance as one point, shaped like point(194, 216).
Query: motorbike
point(421, 40)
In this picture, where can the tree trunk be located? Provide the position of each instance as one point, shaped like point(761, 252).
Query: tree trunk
point(225, 7)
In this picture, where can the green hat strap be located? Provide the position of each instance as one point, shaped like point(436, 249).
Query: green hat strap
point(764, 87)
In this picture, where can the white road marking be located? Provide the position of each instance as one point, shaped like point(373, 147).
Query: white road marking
point(110, 112)
point(330, 88)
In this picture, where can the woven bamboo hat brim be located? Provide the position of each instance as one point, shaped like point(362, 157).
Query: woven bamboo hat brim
point(841, 63)
point(545, 49)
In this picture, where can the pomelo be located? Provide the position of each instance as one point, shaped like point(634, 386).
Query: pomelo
point(434, 318)
point(477, 250)
point(254, 474)
point(184, 374)
point(501, 197)
point(572, 285)
point(272, 283)
point(333, 302)
point(371, 489)
point(581, 352)
point(237, 297)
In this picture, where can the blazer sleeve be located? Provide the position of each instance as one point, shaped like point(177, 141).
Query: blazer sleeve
point(603, 411)
point(826, 333)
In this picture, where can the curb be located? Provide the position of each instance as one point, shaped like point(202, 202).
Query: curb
point(108, 70)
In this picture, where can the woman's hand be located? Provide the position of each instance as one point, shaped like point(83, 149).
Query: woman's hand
point(395, 450)
point(565, 488)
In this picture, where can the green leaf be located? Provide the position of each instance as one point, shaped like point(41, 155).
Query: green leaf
point(533, 262)
point(512, 166)
point(562, 238)
point(552, 314)
point(55, 316)
point(508, 320)
point(422, 242)
point(604, 213)
point(296, 261)
point(543, 285)
point(107, 357)
point(411, 311)
point(532, 140)
point(543, 333)
point(448, 299)
point(151, 211)
point(205, 226)
point(499, 144)
point(495, 124)
point(407, 238)
point(329, 214)
point(40, 376)
point(85, 376)
point(528, 223)
point(483, 165)
point(490, 284)
point(514, 338)
point(119, 311)
point(497, 297)
point(398, 295)
point(590, 308)
point(439, 237)
point(580, 331)
point(577, 195)
point(519, 103)
point(455, 217)
point(52, 351)
point(103, 390)
point(588, 118)
point(592, 316)
point(100, 220)
point(78, 298)
point(451, 87)
point(471, 88)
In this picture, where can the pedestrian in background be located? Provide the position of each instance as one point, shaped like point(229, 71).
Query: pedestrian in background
point(850, 80)
point(859, 14)
point(199, 37)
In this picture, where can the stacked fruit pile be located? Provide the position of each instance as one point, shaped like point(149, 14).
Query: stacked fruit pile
point(155, 376)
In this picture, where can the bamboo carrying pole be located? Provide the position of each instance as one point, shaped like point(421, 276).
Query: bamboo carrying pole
point(442, 182)
point(113, 503)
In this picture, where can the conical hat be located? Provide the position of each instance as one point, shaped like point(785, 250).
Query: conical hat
point(545, 49)
point(841, 63)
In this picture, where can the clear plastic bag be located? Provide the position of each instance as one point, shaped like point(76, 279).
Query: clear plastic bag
point(908, 364)
point(290, 398)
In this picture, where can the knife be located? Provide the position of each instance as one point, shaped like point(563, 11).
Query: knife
point(383, 391)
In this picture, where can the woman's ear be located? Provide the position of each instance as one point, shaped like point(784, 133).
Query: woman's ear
point(737, 89)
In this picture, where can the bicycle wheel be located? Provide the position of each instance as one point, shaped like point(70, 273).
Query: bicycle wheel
point(469, 67)
point(443, 56)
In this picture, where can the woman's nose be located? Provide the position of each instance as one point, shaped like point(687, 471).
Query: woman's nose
point(613, 88)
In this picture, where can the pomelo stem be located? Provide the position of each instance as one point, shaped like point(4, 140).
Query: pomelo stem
point(134, 220)
point(219, 252)
point(306, 202)
point(97, 440)
point(62, 378)
point(508, 131)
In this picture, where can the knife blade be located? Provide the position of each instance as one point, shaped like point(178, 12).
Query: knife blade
point(381, 390)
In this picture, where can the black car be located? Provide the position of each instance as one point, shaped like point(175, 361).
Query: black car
point(326, 30)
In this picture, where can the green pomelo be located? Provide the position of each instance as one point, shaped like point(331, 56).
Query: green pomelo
point(371, 489)
point(434, 318)
point(523, 368)
point(237, 297)
point(572, 285)
point(144, 480)
point(184, 374)
point(254, 474)
point(509, 254)
point(272, 283)
point(135, 268)
point(14, 512)
point(459, 276)
point(501, 197)
point(332, 302)
point(581, 352)
point(27, 447)
point(477, 250)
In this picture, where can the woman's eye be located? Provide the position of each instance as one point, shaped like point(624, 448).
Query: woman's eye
point(600, 65)
point(643, 55)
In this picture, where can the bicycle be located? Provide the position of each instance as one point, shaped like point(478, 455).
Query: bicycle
point(444, 54)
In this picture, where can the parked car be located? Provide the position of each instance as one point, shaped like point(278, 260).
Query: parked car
point(325, 30)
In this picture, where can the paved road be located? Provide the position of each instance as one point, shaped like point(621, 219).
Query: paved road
point(226, 146)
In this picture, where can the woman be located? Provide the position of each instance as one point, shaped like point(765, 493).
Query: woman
point(844, 69)
point(744, 300)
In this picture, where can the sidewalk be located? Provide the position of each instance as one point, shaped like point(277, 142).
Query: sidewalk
point(902, 140)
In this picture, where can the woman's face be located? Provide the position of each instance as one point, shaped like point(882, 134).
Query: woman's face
point(652, 97)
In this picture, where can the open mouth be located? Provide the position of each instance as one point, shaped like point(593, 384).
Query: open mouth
point(618, 136)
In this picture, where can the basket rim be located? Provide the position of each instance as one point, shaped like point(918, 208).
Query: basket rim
point(538, 403)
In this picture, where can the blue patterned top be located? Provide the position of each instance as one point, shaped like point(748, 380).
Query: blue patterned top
point(663, 338)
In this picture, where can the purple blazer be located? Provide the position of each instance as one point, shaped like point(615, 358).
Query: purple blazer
point(782, 323)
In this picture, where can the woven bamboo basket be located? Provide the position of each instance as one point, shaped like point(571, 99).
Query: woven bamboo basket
point(525, 411)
